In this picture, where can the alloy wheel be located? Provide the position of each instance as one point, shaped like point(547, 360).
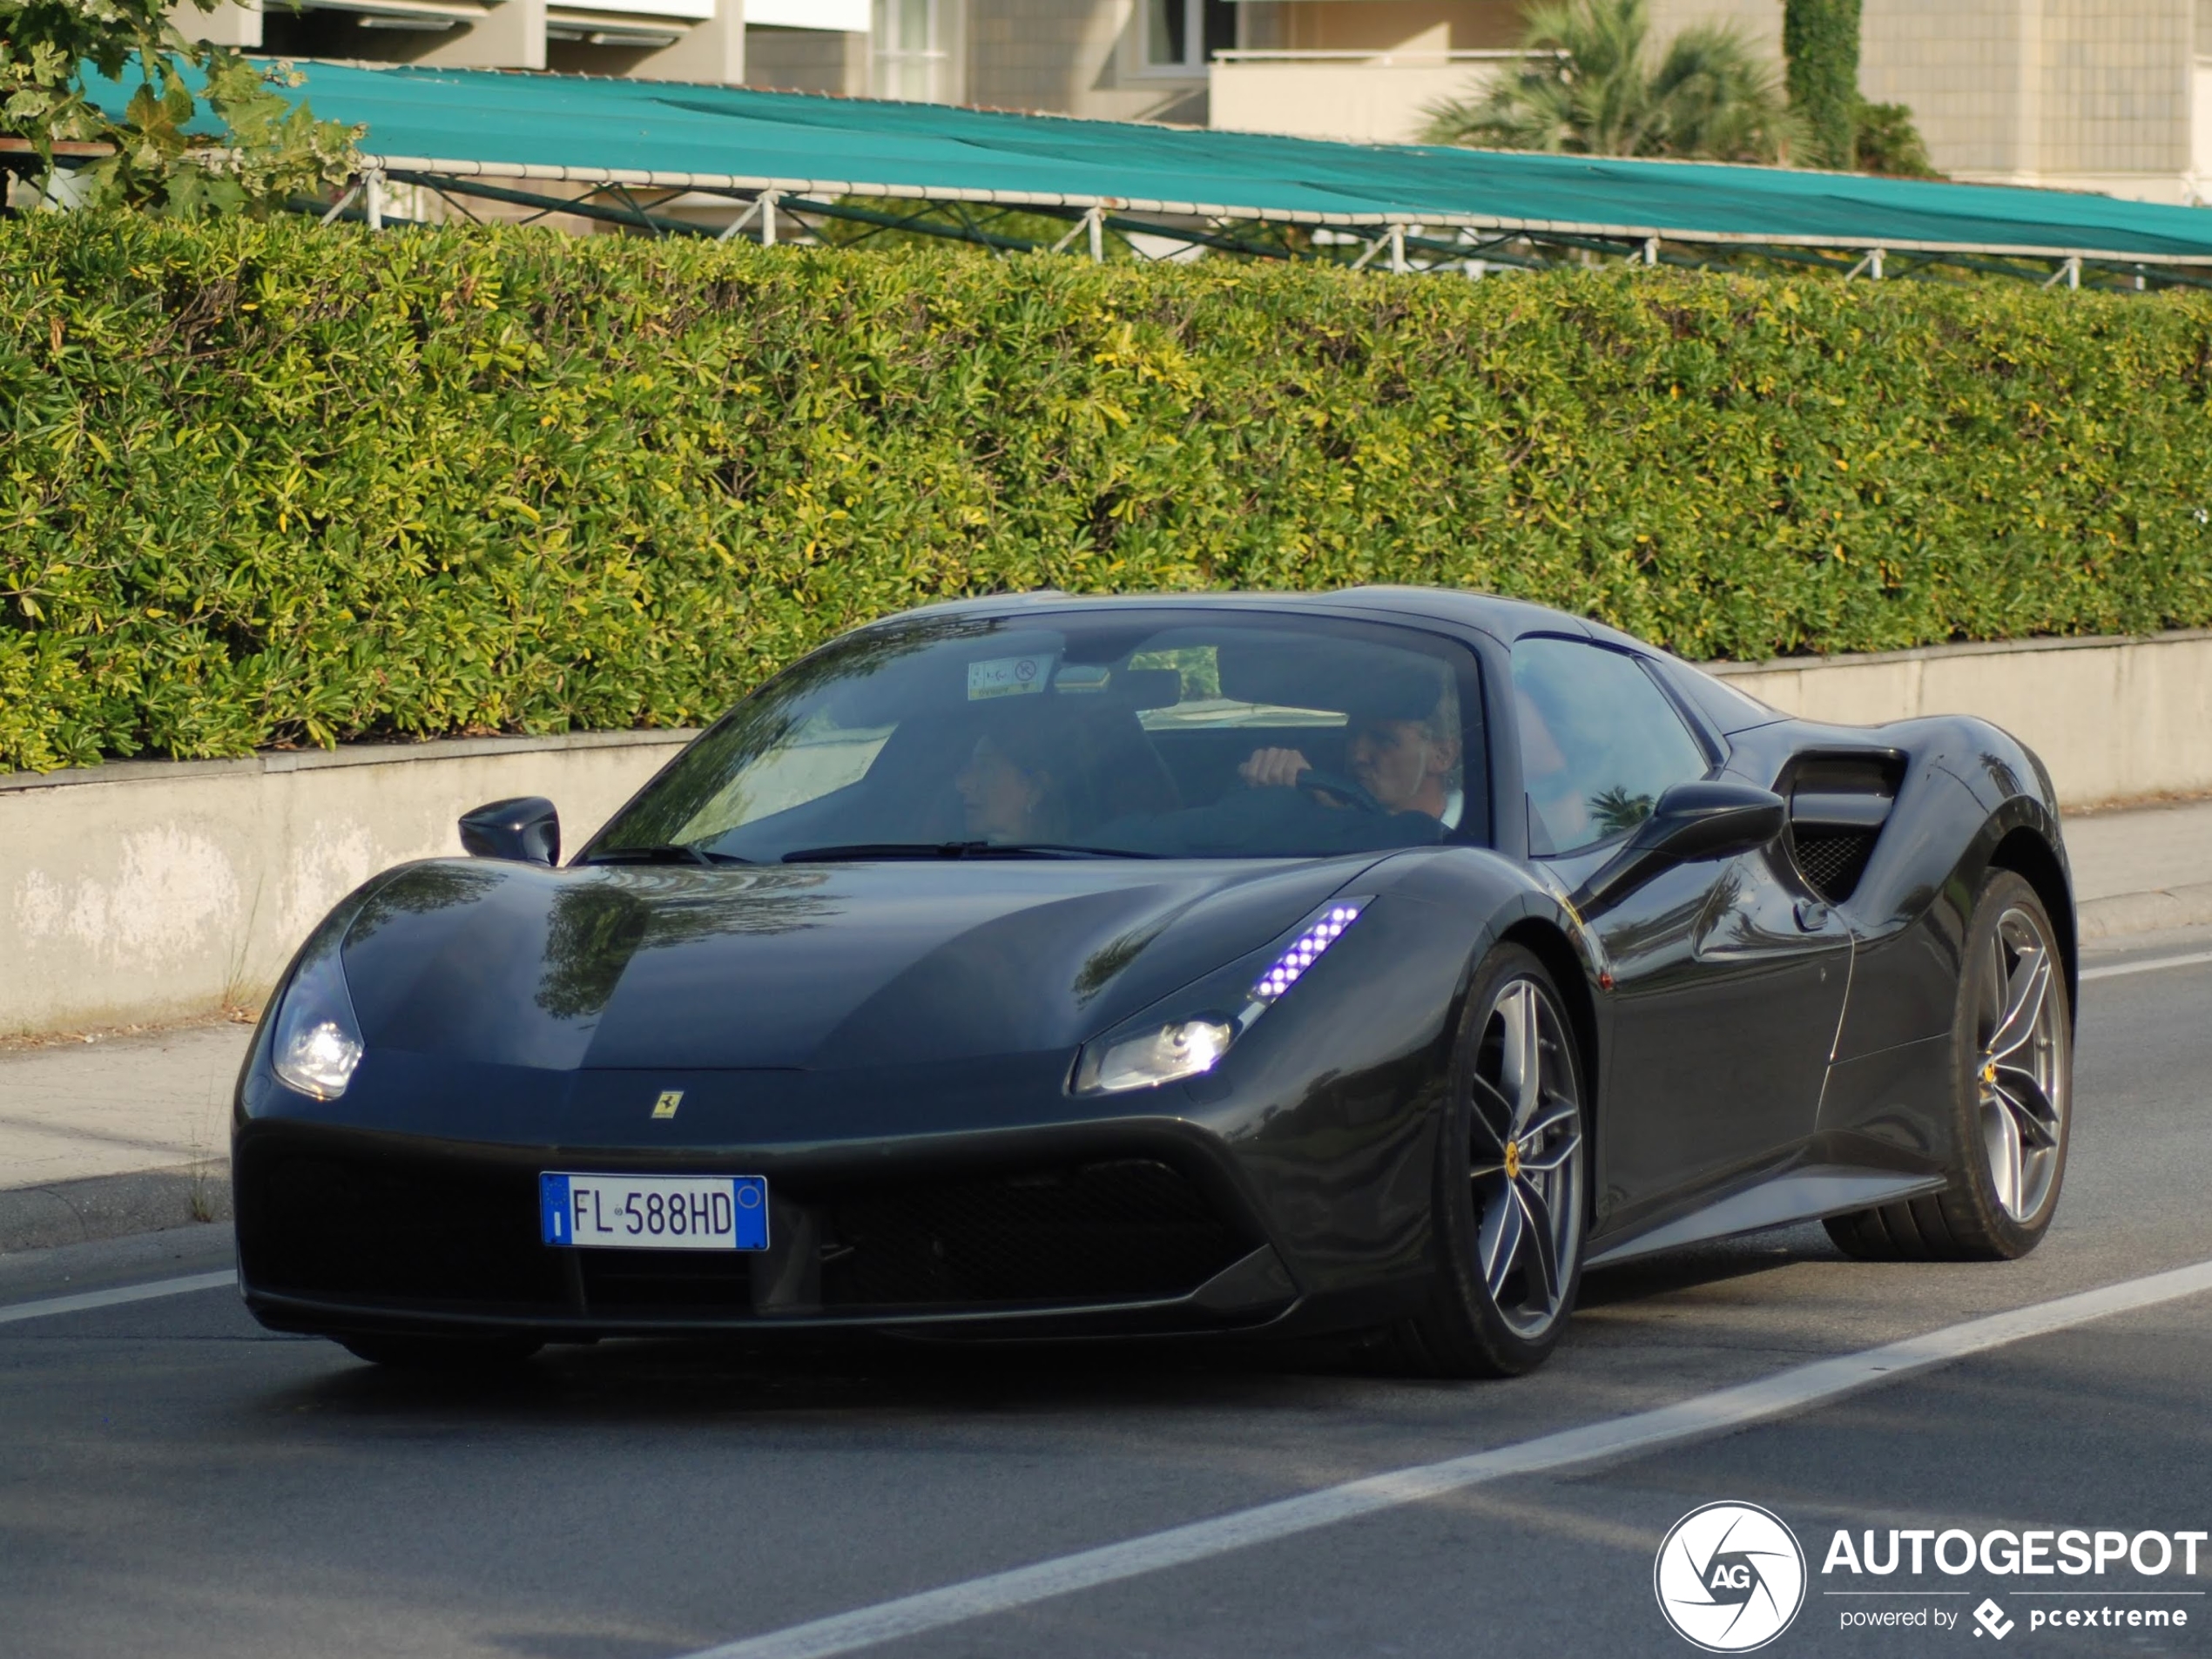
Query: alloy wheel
point(1525, 1145)
point(2019, 1074)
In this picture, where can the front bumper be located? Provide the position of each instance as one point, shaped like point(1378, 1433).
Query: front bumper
point(1063, 1231)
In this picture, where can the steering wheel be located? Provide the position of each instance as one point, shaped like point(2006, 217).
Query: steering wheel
point(1327, 783)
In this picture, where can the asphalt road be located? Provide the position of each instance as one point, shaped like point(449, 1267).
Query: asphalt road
point(174, 1481)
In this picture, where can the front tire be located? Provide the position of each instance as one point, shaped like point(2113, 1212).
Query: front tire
point(2013, 1088)
point(1510, 1180)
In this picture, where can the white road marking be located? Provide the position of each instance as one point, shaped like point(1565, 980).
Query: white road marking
point(1727, 1408)
point(2113, 970)
point(84, 1300)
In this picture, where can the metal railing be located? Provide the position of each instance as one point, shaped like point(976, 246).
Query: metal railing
point(1408, 246)
point(1382, 55)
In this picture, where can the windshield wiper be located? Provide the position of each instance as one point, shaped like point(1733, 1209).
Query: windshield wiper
point(858, 851)
point(665, 853)
point(1058, 850)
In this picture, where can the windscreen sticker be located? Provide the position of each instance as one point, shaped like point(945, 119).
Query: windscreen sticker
point(1009, 676)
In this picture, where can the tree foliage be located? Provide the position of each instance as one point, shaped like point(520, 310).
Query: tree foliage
point(1820, 43)
point(1887, 142)
point(264, 483)
point(203, 129)
point(1592, 84)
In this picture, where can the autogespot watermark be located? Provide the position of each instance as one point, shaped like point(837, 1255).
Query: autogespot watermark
point(1730, 1577)
point(2039, 1561)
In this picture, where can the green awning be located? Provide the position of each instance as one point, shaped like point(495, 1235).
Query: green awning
point(492, 123)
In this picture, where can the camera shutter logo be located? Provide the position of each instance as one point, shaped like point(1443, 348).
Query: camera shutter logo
point(1729, 1577)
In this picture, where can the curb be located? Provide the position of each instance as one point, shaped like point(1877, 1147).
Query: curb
point(2188, 906)
point(114, 1206)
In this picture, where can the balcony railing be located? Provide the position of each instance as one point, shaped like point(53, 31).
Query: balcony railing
point(1378, 97)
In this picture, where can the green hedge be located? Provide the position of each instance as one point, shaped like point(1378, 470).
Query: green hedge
point(274, 484)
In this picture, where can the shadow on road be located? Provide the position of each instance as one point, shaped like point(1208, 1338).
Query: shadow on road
point(724, 1379)
point(721, 1380)
point(1714, 1264)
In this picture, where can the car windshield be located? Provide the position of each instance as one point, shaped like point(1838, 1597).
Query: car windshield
point(1136, 733)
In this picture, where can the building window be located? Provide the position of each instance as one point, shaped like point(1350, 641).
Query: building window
point(914, 50)
point(1181, 35)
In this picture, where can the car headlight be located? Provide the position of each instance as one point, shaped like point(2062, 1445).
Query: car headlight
point(1188, 1048)
point(317, 1042)
point(1150, 1058)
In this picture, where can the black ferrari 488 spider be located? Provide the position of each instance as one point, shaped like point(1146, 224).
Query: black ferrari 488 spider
point(1039, 966)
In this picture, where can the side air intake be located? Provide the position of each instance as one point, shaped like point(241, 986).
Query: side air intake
point(1837, 807)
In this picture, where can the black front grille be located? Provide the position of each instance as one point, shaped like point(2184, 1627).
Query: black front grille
point(1129, 1230)
point(716, 1283)
point(1833, 859)
point(395, 1229)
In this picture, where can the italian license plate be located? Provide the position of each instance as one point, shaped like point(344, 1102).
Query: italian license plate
point(654, 1211)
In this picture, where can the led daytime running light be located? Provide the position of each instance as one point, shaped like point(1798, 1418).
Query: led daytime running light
point(1305, 950)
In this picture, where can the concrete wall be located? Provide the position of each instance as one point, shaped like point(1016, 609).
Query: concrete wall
point(2080, 94)
point(1464, 25)
point(1384, 25)
point(2113, 720)
point(151, 890)
point(806, 60)
point(1081, 58)
point(1382, 100)
point(1369, 72)
point(2095, 95)
point(1758, 21)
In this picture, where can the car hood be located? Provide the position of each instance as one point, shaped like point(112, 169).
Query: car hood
point(805, 967)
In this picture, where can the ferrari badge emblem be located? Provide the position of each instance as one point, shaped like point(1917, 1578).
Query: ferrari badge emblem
point(668, 1101)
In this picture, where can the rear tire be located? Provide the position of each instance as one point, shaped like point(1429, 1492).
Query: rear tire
point(1510, 1181)
point(447, 1356)
point(2012, 1062)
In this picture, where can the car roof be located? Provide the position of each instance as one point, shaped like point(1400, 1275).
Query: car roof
point(1504, 619)
point(1729, 708)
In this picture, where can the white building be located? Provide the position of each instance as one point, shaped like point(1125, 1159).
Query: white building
point(2107, 95)
point(2104, 95)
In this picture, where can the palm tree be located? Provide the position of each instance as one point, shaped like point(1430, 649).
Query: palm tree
point(1591, 87)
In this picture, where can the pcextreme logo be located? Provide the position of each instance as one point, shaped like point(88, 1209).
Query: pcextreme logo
point(1729, 1577)
point(1992, 1618)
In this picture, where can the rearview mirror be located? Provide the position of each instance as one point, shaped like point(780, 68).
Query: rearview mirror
point(1692, 823)
point(527, 829)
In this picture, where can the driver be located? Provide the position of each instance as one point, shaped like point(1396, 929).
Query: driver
point(1408, 766)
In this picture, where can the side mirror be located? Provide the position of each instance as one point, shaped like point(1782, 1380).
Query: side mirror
point(1691, 824)
point(526, 829)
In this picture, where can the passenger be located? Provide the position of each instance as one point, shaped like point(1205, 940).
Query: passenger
point(1008, 793)
point(1408, 766)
